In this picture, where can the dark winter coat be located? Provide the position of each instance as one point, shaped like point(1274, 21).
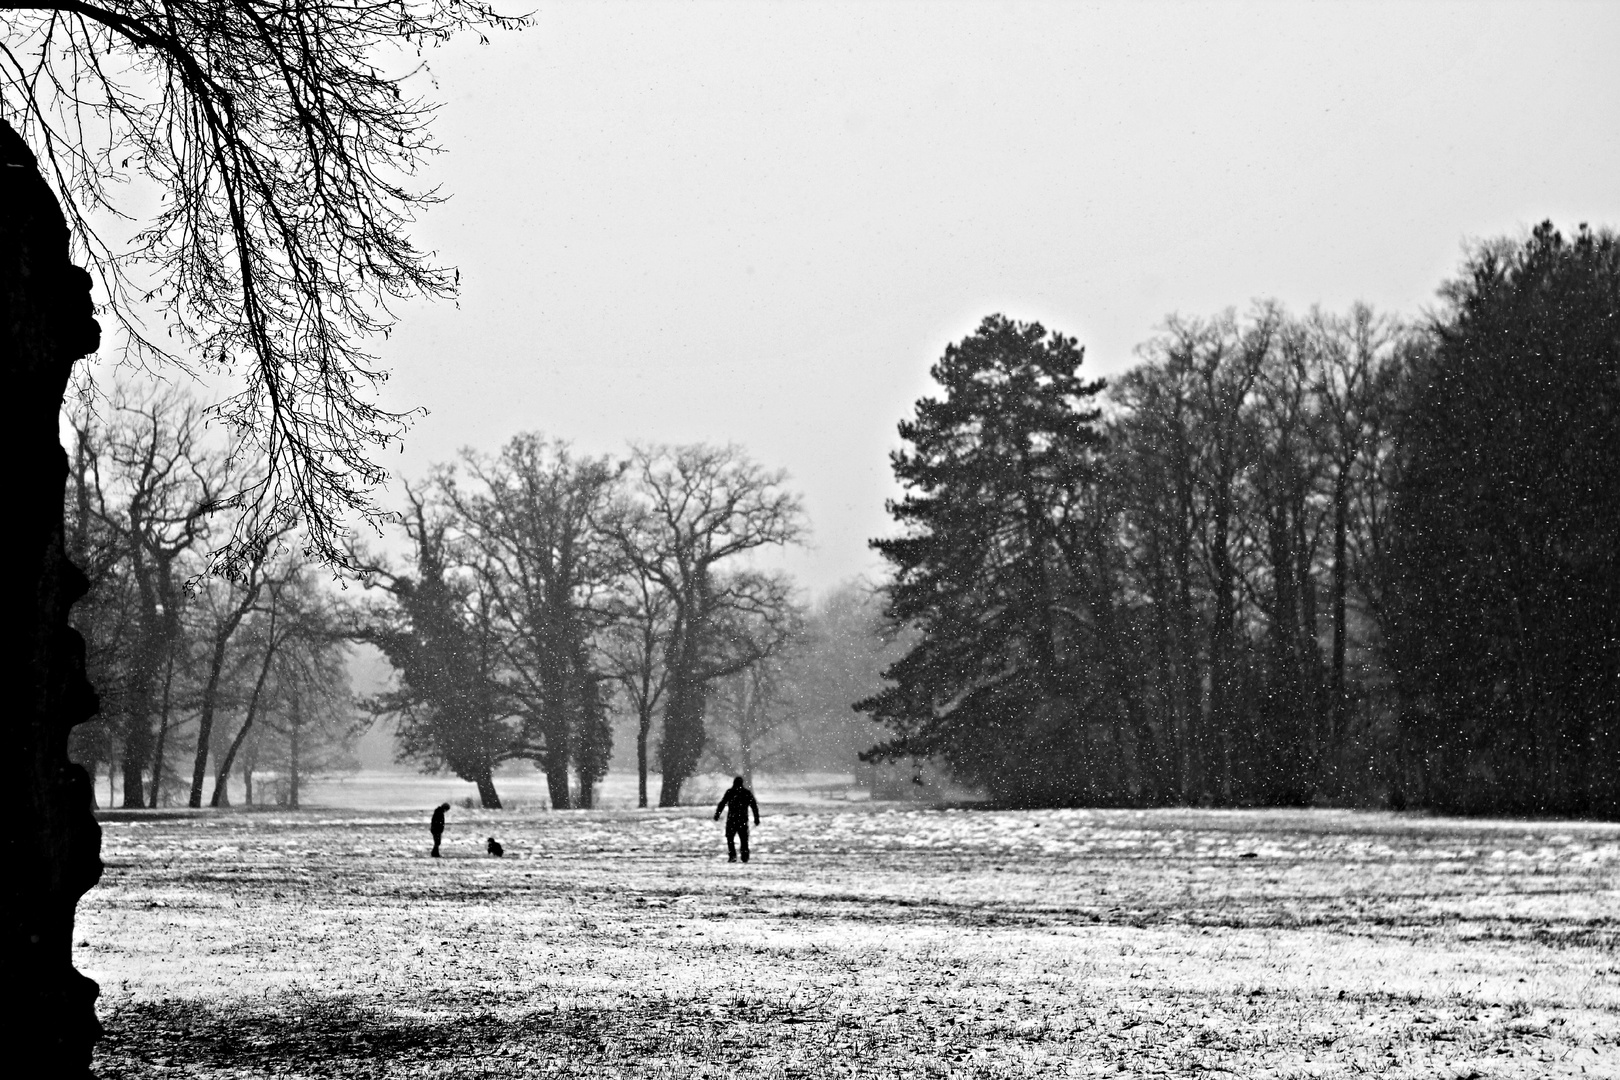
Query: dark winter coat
point(736, 802)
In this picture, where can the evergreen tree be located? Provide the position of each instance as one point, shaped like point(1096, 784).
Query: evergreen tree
point(989, 568)
point(1505, 566)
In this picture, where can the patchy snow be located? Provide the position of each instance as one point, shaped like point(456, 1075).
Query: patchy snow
point(864, 940)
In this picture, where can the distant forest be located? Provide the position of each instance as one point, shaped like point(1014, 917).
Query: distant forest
point(1342, 559)
point(1287, 559)
point(528, 599)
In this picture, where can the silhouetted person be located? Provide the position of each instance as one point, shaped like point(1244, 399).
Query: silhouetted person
point(436, 826)
point(494, 847)
point(737, 802)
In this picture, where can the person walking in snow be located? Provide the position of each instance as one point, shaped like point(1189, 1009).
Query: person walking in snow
point(737, 802)
point(436, 826)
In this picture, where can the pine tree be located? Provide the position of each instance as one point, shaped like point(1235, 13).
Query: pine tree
point(986, 564)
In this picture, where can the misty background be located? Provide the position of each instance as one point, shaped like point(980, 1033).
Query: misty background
point(757, 226)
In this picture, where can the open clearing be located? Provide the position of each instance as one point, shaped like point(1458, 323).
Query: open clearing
point(868, 940)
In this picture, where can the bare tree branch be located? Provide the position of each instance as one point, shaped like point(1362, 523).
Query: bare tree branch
point(284, 138)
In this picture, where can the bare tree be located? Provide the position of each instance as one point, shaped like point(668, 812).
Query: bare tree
point(284, 143)
point(269, 635)
point(696, 509)
point(155, 483)
point(1355, 352)
point(286, 136)
point(108, 615)
point(837, 660)
point(242, 598)
point(754, 725)
point(314, 725)
point(1156, 466)
point(632, 649)
point(526, 517)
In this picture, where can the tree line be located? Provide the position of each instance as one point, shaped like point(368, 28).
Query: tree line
point(286, 155)
point(540, 593)
point(197, 673)
point(1285, 559)
point(535, 597)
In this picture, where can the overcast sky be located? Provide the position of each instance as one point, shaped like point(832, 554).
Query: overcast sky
point(761, 223)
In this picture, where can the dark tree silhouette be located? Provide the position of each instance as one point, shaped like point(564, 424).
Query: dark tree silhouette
point(452, 706)
point(284, 147)
point(1156, 465)
point(1505, 565)
point(1357, 359)
point(525, 517)
point(986, 566)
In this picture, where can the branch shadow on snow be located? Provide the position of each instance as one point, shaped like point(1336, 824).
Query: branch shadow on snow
point(298, 1033)
point(304, 1034)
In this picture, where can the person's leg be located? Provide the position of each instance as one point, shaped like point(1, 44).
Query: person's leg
point(435, 845)
point(731, 843)
point(742, 838)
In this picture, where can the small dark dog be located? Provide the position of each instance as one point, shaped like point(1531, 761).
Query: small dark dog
point(495, 848)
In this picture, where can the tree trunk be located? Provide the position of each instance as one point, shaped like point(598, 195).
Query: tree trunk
point(684, 707)
point(292, 757)
point(159, 629)
point(155, 789)
point(220, 797)
point(556, 715)
point(1341, 529)
point(1189, 682)
point(53, 844)
point(137, 725)
point(641, 754)
point(556, 770)
point(683, 734)
point(488, 799)
point(210, 697)
point(137, 752)
point(158, 749)
point(1221, 633)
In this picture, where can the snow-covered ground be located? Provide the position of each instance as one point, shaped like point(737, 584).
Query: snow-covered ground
point(865, 939)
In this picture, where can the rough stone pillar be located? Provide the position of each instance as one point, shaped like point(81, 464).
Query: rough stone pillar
point(52, 844)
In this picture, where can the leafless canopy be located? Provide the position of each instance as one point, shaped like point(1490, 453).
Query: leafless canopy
point(282, 137)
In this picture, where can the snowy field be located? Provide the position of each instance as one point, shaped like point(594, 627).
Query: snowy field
point(865, 939)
